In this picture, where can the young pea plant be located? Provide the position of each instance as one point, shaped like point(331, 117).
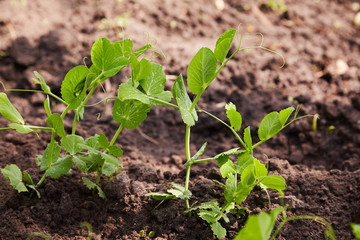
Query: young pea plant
point(242, 176)
point(262, 226)
point(96, 153)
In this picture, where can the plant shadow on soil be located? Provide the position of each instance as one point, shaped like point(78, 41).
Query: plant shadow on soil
point(321, 167)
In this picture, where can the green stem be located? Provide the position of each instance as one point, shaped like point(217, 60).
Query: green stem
point(195, 102)
point(51, 149)
point(306, 217)
point(65, 112)
point(188, 170)
point(164, 102)
point(73, 131)
point(227, 125)
point(116, 135)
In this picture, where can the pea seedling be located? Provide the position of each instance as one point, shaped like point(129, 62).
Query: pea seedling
point(144, 88)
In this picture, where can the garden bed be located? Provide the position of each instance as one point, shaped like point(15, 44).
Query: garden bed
point(320, 44)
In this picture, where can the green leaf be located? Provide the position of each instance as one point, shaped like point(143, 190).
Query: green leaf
point(108, 169)
point(128, 92)
point(91, 185)
point(218, 230)
point(247, 138)
point(154, 82)
point(285, 114)
point(116, 66)
point(123, 48)
point(93, 142)
point(103, 141)
point(47, 159)
point(242, 192)
point(201, 71)
point(184, 102)
point(44, 86)
point(140, 70)
point(13, 173)
point(22, 128)
point(73, 85)
point(115, 151)
point(71, 144)
point(355, 229)
point(269, 126)
point(274, 182)
point(28, 179)
point(230, 188)
point(233, 116)
point(199, 152)
point(226, 166)
point(55, 121)
point(244, 160)
point(259, 169)
point(223, 44)
point(129, 113)
point(259, 226)
point(9, 111)
point(232, 151)
point(102, 54)
point(59, 168)
point(160, 196)
point(165, 96)
point(47, 106)
point(111, 159)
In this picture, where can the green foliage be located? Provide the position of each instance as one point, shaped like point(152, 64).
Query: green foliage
point(8, 111)
point(13, 173)
point(223, 44)
point(259, 226)
point(355, 229)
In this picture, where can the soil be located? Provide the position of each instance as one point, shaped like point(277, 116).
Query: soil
point(321, 46)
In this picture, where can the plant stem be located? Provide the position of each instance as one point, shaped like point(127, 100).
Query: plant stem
point(164, 102)
point(227, 125)
point(116, 135)
point(188, 171)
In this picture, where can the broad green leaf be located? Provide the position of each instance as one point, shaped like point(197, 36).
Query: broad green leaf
point(48, 159)
point(242, 192)
point(154, 82)
point(233, 116)
point(55, 121)
point(116, 66)
point(129, 113)
point(244, 159)
point(208, 216)
point(123, 48)
point(355, 229)
point(22, 128)
point(184, 102)
point(93, 142)
point(285, 114)
point(96, 164)
point(71, 144)
point(103, 141)
point(128, 92)
point(218, 230)
point(226, 166)
point(247, 176)
point(13, 173)
point(111, 159)
point(269, 126)
point(259, 169)
point(247, 138)
point(44, 86)
point(223, 44)
point(140, 70)
point(59, 168)
point(82, 163)
point(177, 193)
point(73, 85)
point(9, 111)
point(165, 96)
point(103, 54)
point(115, 151)
point(274, 182)
point(259, 226)
point(201, 71)
point(108, 169)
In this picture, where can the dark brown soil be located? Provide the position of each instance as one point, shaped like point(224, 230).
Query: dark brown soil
point(321, 46)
